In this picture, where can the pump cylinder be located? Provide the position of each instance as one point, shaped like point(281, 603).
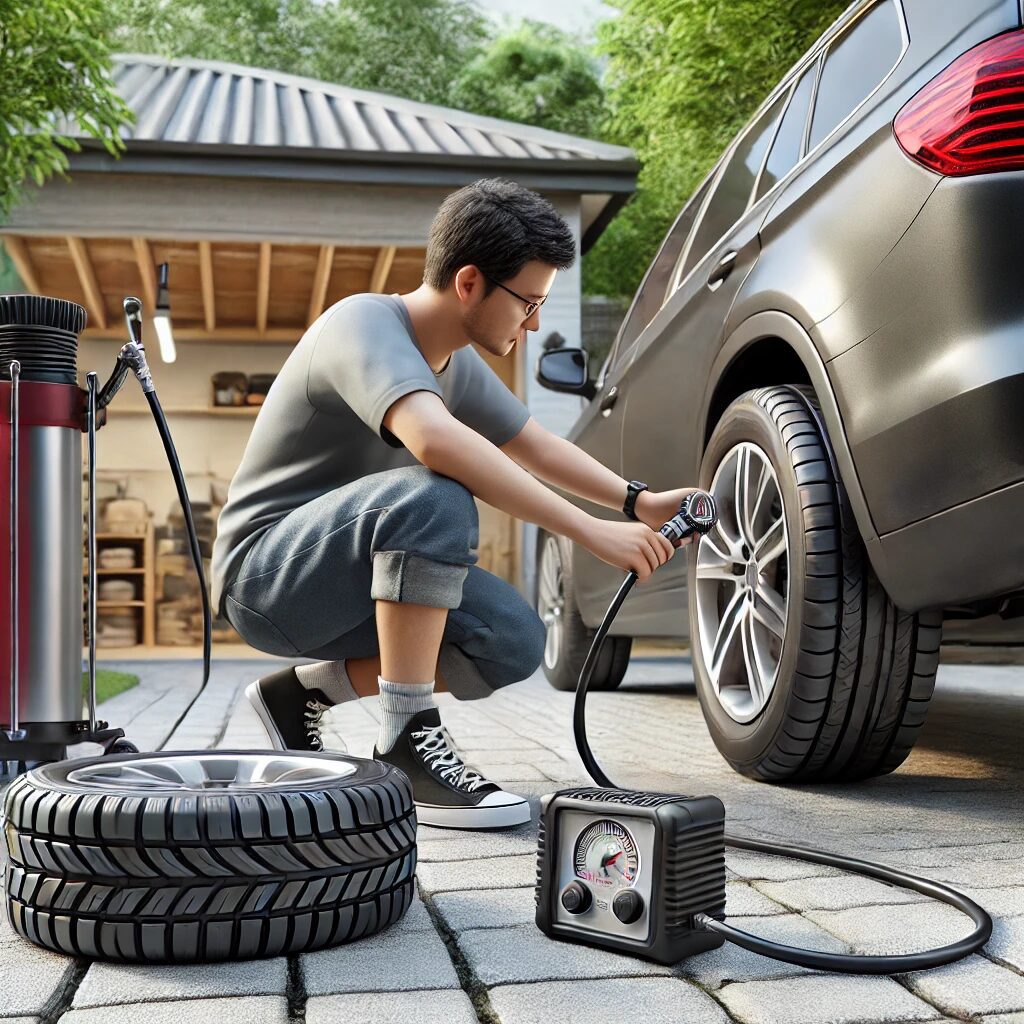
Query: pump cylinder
point(42, 334)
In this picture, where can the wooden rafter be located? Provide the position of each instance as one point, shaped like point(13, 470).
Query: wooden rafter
point(263, 288)
point(382, 268)
point(206, 282)
point(87, 279)
point(242, 335)
point(321, 279)
point(18, 251)
point(147, 272)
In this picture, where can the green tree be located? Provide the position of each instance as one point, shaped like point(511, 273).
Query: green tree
point(534, 74)
point(54, 67)
point(410, 48)
point(683, 77)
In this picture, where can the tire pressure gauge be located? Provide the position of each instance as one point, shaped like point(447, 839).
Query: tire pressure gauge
point(628, 870)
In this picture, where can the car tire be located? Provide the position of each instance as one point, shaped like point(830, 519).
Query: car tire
point(569, 639)
point(136, 858)
point(845, 682)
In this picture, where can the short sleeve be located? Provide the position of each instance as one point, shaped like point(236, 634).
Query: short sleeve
point(363, 358)
point(486, 404)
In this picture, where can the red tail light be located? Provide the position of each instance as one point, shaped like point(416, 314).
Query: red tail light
point(970, 118)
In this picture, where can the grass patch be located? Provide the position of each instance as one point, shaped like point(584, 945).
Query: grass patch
point(108, 683)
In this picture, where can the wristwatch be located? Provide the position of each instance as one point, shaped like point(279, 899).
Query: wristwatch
point(633, 488)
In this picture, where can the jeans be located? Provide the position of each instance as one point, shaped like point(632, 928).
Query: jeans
point(308, 585)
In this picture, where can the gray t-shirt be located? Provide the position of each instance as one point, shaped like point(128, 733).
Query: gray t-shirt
point(320, 425)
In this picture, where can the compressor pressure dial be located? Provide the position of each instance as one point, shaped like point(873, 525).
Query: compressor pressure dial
point(606, 856)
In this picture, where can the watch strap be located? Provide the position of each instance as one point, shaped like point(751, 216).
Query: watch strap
point(633, 488)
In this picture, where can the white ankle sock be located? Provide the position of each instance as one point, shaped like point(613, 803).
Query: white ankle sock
point(330, 678)
point(398, 703)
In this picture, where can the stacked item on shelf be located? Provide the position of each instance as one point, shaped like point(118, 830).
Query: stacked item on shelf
point(179, 610)
point(259, 385)
point(124, 516)
point(229, 388)
point(115, 629)
point(116, 558)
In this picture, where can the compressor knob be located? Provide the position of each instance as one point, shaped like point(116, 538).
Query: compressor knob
point(576, 898)
point(628, 906)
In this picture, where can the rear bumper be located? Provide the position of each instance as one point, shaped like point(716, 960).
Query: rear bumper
point(973, 551)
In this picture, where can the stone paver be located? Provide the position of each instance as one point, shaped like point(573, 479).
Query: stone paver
point(392, 961)
point(950, 813)
point(109, 984)
point(486, 908)
point(654, 1000)
point(240, 1010)
point(441, 1006)
point(971, 986)
point(489, 873)
point(501, 955)
point(729, 963)
point(825, 999)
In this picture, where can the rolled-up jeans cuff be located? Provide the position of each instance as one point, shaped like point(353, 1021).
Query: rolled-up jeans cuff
point(402, 576)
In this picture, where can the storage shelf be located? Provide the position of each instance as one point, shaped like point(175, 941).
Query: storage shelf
point(113, 572)
point(120, 604)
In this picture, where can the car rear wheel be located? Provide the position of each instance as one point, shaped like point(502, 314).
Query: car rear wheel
point(568, 638)
point(805, 669)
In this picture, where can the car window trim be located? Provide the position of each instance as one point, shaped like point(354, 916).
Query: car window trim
point(771, 142)
point(816, 55)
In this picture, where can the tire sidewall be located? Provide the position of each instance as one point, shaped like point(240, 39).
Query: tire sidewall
point(745, 744)
point(54, 776)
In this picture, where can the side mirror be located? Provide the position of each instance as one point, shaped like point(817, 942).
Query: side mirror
point(565, 369)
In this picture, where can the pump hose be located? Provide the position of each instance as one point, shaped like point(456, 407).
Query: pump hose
point(816, 959)
point(193, 543)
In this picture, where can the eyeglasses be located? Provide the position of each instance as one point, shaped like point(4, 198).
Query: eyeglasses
point(532, 305)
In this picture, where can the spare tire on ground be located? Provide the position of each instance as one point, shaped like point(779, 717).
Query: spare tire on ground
point(190, 856)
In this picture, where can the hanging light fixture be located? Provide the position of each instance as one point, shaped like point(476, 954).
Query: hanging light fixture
point(162, 318)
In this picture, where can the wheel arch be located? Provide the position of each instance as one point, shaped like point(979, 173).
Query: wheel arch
point(772, 348)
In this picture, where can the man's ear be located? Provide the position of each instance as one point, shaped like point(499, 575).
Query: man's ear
point(469, 284)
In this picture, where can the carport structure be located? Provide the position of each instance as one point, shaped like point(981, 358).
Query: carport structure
point(272, 196)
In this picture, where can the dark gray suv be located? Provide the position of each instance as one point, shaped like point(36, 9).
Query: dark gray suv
point(831, 340)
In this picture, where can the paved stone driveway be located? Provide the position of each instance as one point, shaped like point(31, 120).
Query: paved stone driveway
point(468, 949)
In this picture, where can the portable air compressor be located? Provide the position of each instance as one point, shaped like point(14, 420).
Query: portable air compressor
point(644, 873)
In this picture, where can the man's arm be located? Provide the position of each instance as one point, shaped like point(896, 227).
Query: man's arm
point(441, 442)
point(563, 464)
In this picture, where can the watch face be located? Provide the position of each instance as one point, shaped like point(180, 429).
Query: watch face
point(606, 856)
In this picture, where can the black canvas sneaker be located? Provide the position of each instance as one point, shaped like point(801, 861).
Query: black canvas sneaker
point(448, 793)
point(289, 711)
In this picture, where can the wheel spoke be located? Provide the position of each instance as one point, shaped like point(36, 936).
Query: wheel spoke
point(713, 563)
point(772, 543)
point(727, 627)
point(741, 494)
point(762, 487)
point(754, 678)
point(770, 609)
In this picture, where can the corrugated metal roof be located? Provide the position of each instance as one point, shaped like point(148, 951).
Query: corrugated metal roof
point(252, 111)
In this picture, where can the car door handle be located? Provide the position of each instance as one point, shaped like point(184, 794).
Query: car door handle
point(723, 269)
point(610, 399)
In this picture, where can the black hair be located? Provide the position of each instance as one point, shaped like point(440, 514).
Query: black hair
point(498, 227)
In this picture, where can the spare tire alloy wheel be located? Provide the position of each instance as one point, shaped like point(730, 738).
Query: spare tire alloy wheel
point(568, 638)
point(805, 668)
point(191, 856)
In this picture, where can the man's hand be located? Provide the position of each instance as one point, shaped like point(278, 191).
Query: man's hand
point(656, 508)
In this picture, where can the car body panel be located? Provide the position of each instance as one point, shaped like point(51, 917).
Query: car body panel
point(857, 259)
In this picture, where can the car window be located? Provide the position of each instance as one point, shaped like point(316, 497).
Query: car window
point(785, 151)
point(854, 65)
point(652, 291)
point(735, 184)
